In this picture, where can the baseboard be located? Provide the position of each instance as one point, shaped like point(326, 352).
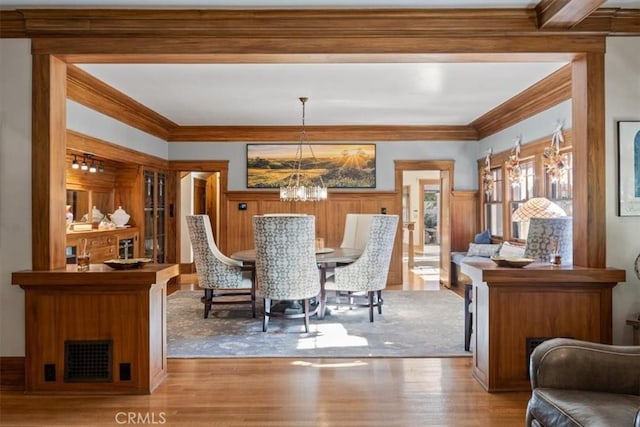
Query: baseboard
point(12, 373)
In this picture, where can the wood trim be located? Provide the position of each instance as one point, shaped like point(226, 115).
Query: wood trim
point(48, 173)
point(564, 14)
point(558, 43)
point(12, 373)
point(589, 199)
point(338, 23)
point(12, 24)
point(543, 95)
point(82, 143)
point(323, 133)
point(529, 149)
point(91, 92)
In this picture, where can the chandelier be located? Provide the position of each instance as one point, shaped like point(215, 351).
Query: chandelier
point(300, 187)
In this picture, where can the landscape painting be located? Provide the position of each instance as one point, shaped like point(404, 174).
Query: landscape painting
point(339, 165)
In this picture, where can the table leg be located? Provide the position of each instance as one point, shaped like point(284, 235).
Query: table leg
point(323, 292)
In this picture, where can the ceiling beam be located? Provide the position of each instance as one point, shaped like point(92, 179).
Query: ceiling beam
point(564, 14)
point(552, 15)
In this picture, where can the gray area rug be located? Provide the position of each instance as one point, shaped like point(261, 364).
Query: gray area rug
point(412, 324)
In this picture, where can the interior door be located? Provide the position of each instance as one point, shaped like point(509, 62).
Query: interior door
point(445, 223)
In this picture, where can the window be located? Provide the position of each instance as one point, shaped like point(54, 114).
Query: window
point(497, 208)
point(560, 189)
point(519, 194)
point(493, 204)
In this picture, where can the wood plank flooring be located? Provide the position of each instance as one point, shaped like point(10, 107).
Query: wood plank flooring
point(287, 392)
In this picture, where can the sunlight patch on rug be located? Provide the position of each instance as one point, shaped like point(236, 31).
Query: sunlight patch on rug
point(412, 324)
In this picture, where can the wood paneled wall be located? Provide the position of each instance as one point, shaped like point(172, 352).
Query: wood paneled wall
point(330, 217)
point(464, 219)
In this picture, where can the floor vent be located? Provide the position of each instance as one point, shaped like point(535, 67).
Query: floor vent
point(87, 361)
point(532, 343)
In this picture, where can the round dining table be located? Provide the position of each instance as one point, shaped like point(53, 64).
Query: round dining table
point(325, 257)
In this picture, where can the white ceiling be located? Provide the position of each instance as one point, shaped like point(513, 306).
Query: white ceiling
point(339, 93)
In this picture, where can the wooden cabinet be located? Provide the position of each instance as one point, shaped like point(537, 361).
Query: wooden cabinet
point(112, 320)
point(103, 244)
point(155, 215)
point(514, 309)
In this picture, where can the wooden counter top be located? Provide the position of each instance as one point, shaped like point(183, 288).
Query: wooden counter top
point(97, 232)
point(98, 274)
point(542, 272)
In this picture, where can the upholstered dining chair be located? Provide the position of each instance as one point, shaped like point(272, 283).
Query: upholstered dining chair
point(286, 268)
point(356, 230)
point(368, 274)
point(218, 275)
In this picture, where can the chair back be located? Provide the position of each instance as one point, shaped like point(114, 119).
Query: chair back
point(286, 265)
point(356, 230)
point(369, 272)
point(213, 268)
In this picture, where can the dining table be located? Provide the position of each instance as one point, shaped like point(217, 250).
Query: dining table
point(326, 258)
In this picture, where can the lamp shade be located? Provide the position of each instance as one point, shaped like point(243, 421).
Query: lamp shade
point(538, 207)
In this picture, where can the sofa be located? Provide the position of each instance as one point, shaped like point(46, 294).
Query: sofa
point(579, 383)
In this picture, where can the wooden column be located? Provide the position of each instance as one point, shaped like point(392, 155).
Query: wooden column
point(589, 215)
point(411, 249)
point(49, 123)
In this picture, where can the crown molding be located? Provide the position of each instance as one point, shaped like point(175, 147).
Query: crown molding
point(99, 96)
point(543, 95)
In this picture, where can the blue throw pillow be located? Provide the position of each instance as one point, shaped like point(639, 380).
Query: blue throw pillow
point(483, 238)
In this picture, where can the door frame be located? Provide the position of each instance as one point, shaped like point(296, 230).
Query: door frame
point(446, 168)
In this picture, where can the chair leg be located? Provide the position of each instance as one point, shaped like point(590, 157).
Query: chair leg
point(370, 306)
point(380, 301)
point(306, 315)
point(267, 312)
point(208, 297)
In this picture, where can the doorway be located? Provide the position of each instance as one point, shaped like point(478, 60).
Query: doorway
point(425, 188)
point(199, 195)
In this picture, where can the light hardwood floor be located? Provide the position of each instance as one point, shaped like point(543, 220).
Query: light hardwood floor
point(287, 392)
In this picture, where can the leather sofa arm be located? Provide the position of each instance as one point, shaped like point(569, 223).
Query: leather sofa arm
point(579, 365)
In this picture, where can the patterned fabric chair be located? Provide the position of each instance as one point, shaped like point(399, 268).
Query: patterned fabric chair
point(215, 270)
point(543, 235)
point(286, 266)
point(369, 272)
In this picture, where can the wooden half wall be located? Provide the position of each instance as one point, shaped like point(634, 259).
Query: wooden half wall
point(330, 217)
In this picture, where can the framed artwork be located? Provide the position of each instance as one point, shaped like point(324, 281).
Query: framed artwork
point(629, 168)
point(339, 165)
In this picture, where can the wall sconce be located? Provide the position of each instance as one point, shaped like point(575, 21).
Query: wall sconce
point(513, 165)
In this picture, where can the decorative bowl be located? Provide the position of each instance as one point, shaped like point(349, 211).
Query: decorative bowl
point(127, 264)
point(511, 262)
point(120, 217)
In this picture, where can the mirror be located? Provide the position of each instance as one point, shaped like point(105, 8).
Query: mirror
point(77, 204)
point(81, 202)
point(103, 202)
